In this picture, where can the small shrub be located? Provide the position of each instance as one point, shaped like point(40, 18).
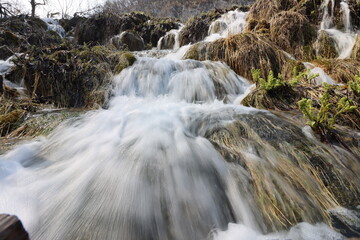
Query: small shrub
point(271, 83)
point(305, 75)
point(322, 118)
point(355, 85)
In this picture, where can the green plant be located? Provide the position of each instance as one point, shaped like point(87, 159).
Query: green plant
point(306, 75)
point(323, 118)
point(271, 83)
point(355, 85)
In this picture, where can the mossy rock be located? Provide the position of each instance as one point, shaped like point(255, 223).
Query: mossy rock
point(71, 76)
point(283, 98)
point(154, 29)
point(196, 28)
point(125, 60)
point(9, 39)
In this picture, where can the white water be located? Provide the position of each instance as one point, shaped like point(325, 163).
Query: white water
point(175, 33)
point(53, 24)
point(230, 23)
point(344, 40)
point(141, 169)
point(328, 14)
point(302, 231)
point(345, 10)
point(322, 78)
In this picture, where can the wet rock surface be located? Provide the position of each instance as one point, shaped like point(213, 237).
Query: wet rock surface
point(11, 228)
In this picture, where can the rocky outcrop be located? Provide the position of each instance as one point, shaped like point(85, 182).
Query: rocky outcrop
point(100, 28)
point(20, 33)
point(153, 30)
point(196, 29)
point(301, 170)
point(71, 77)
point(128, 40)
point(11, 228)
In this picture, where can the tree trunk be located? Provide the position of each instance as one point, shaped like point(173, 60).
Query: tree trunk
point(33, 5)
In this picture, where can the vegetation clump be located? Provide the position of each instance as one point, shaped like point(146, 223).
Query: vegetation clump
point(323, 119)
point(355, 85)
point(272, 83)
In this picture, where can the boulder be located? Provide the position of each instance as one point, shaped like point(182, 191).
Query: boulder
point(100, 28)
point(130, 40)
point(11, 228)
point(196, 29)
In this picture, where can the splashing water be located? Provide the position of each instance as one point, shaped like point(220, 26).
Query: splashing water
point(147, 168)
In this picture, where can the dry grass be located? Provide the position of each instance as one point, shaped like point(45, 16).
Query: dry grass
point(242, 52)
point(341, 70)
point(356, 50)
point(293, 33)
point(266, 9)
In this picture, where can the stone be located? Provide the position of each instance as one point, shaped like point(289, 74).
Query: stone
point(11, 228)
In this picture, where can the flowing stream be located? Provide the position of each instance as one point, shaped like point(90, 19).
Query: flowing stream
point(173, 157)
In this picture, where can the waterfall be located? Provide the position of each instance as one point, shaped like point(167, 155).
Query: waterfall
point(344, 40)
point(150, 165)
point(328, 14)
point(346, 16)
point(172, 35)
point(230, 23)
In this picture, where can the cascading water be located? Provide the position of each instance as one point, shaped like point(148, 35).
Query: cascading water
point(172, 35)
point(344, 40)
point(230, 23)
point(346, 16)
point(149, 166)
